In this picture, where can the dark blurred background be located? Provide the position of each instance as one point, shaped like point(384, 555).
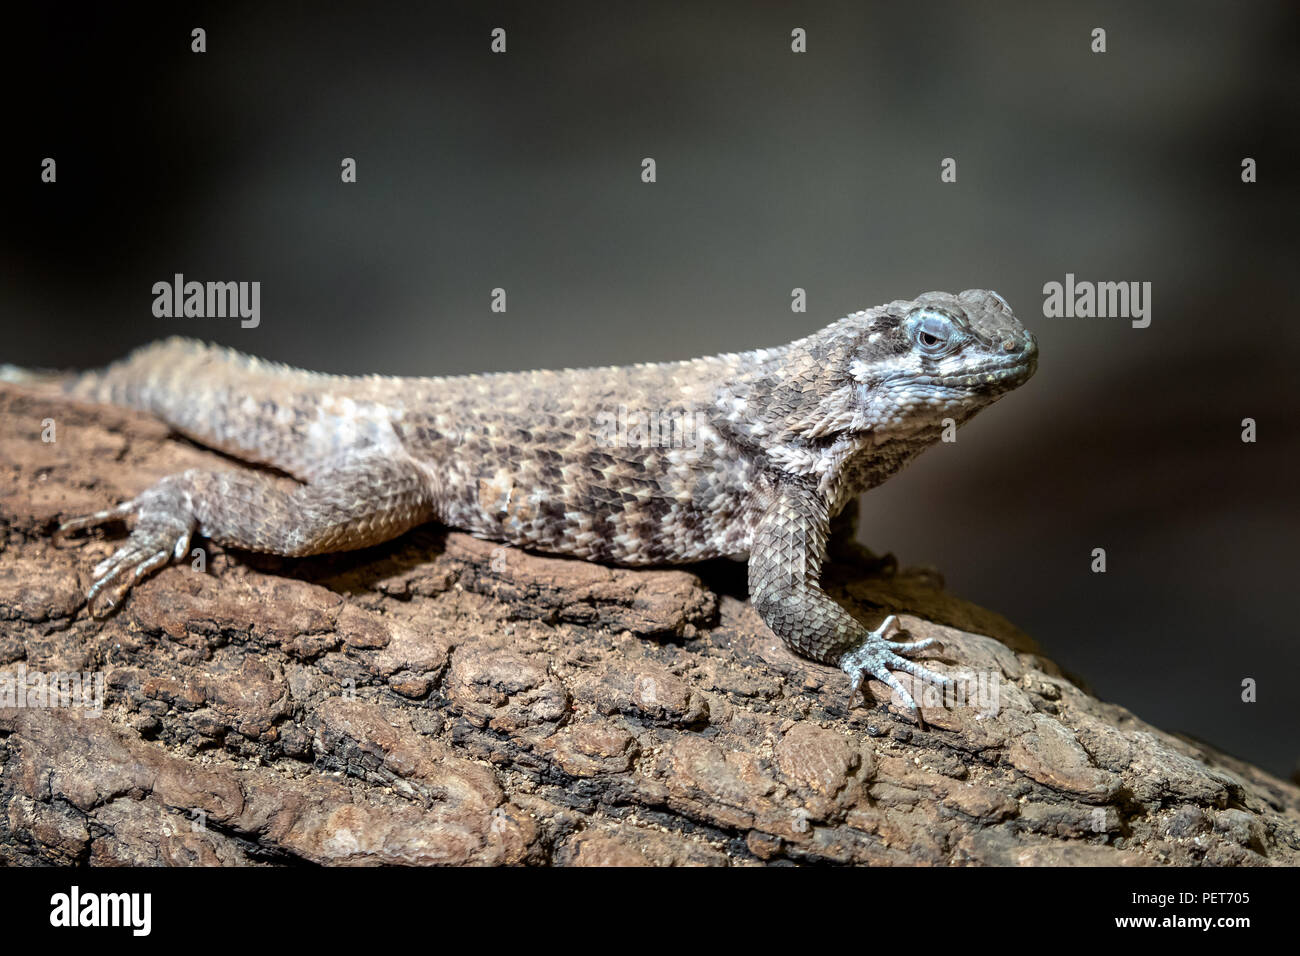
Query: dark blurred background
point(775, 170)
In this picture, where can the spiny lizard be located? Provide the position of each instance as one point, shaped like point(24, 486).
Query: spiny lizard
point(746, 455)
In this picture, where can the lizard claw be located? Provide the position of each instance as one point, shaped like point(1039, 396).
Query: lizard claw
point(877, 657)
point(162, 532)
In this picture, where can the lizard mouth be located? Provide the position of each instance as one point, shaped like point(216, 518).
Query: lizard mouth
point(1009, 376)
point(993, 379)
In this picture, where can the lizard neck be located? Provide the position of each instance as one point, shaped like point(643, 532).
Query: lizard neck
point(872, 460)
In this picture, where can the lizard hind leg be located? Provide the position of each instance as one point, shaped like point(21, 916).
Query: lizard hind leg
point(163, 527)
point(358, 502)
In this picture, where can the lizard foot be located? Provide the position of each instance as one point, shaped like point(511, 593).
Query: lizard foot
point(877, 656)
point(163, 527)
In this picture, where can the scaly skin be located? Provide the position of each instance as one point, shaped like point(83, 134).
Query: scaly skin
point(770, 445)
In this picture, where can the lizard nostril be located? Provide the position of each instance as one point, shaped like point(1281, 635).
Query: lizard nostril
point(1008, 345)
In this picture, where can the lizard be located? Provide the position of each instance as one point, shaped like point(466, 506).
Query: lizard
point(774, 444)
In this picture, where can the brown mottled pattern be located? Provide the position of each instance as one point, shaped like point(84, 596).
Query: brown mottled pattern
point(747, 455)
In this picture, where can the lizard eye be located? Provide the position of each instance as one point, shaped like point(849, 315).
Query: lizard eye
point(933, 331)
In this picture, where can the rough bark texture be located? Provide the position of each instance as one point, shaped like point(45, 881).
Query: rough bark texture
point(442, 700)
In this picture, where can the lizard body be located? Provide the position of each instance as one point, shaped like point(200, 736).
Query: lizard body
point(745, 455)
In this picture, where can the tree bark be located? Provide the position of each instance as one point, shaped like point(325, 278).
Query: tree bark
point(441, 699)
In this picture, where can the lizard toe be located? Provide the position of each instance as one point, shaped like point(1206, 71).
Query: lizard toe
point(144, 552)
point(108, 569)
point(878, 658)
point(922, 673)
point(94, 520)
point(909, 647)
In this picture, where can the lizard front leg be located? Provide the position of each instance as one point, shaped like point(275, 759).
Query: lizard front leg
point(360, 502)
point(785, 562)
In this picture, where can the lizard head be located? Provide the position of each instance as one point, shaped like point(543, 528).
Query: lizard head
point(893, 370)
point(937, 356)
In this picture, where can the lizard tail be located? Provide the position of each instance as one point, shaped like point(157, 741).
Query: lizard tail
point(130, 381)
point(14, 375)
point(136, 380)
